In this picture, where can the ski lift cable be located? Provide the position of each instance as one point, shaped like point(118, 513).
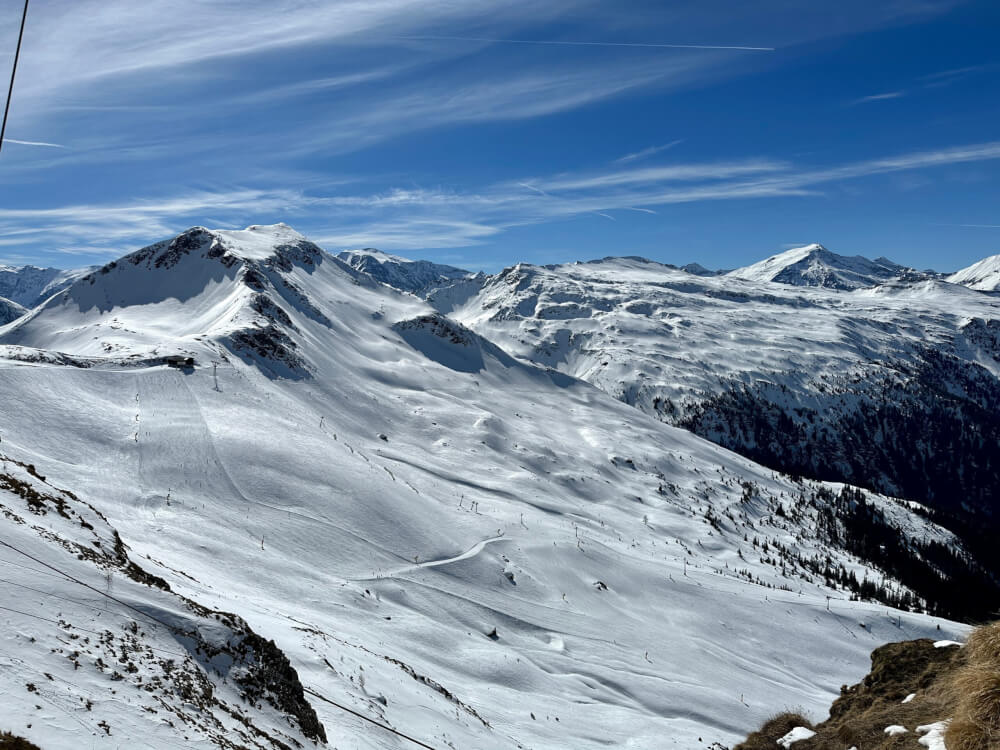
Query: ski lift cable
point(175, 629)
point(13, 72)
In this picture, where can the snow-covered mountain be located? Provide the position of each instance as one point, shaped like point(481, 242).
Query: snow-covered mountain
point(814, 265)
point(417, 276)
point(699, 270)
point(894, 387)
point(30, 285)
point(983, 275)
point(10, 311)
point(470, 548)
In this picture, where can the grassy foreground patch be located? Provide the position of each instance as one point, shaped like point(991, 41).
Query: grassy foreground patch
point(912, 684)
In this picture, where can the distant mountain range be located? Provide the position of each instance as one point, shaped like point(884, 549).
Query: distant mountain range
point(811, 265)
point(29, 286)
point(246, 484)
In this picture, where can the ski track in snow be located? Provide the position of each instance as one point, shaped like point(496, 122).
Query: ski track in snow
point(471, 552)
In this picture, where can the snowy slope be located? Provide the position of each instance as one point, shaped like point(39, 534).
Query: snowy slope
point(814, 265)
point(93, 642)
point(29, 285)
point(983, 275)
point(9, 311)
point(475, 550)
point(819, 365)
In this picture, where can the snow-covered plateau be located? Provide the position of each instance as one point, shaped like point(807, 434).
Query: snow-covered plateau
point(252, 496)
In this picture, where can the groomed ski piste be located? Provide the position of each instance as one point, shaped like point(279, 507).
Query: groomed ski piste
point(464, 547)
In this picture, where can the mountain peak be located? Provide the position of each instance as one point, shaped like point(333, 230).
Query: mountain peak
point(983, 275)
point(815, 265)
point(255, 243)
point(242, 290)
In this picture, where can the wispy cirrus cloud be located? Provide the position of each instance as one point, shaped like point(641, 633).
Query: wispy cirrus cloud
point(954, 75)
point(417, 218)
point(241, 112)
point(968, 226)
point(664, 174)
point(581, 43)
point(879, 97)
point(366, 71)
point(647, 152)
point(932, 80)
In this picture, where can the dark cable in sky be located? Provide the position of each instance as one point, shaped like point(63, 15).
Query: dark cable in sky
point(13, 72)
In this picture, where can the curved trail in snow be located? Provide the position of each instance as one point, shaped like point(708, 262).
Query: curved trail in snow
point(471, 552)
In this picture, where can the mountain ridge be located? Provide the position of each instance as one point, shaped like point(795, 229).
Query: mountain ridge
point(983, 275)
point(30, 285)
point(814, 265)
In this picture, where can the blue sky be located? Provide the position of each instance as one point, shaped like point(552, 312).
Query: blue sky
point(443, 129)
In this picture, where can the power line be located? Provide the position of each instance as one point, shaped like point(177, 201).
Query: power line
point(13, 72)
point(167, 625)
point(178, 630)
point(56, 596)
point(28, 567)
point(386, 727)
point(87, 630)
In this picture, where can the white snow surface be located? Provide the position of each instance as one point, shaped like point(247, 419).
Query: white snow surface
point(933, 738)
point(377, 488)
point(795, 735)
point(983, 275)
point(895, 729)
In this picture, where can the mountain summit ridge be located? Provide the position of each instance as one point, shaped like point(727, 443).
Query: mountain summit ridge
point(815, 265)
point(983, 275)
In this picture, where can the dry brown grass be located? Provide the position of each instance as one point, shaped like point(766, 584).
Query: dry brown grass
point(858, 718)
point(983, 646)
point(9, 742)
point(766, 738)
point(975, 689)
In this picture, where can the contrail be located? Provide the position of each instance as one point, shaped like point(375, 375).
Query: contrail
point(532, 187)
point(33, 143)
point(587, 44)
point(969, 226)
